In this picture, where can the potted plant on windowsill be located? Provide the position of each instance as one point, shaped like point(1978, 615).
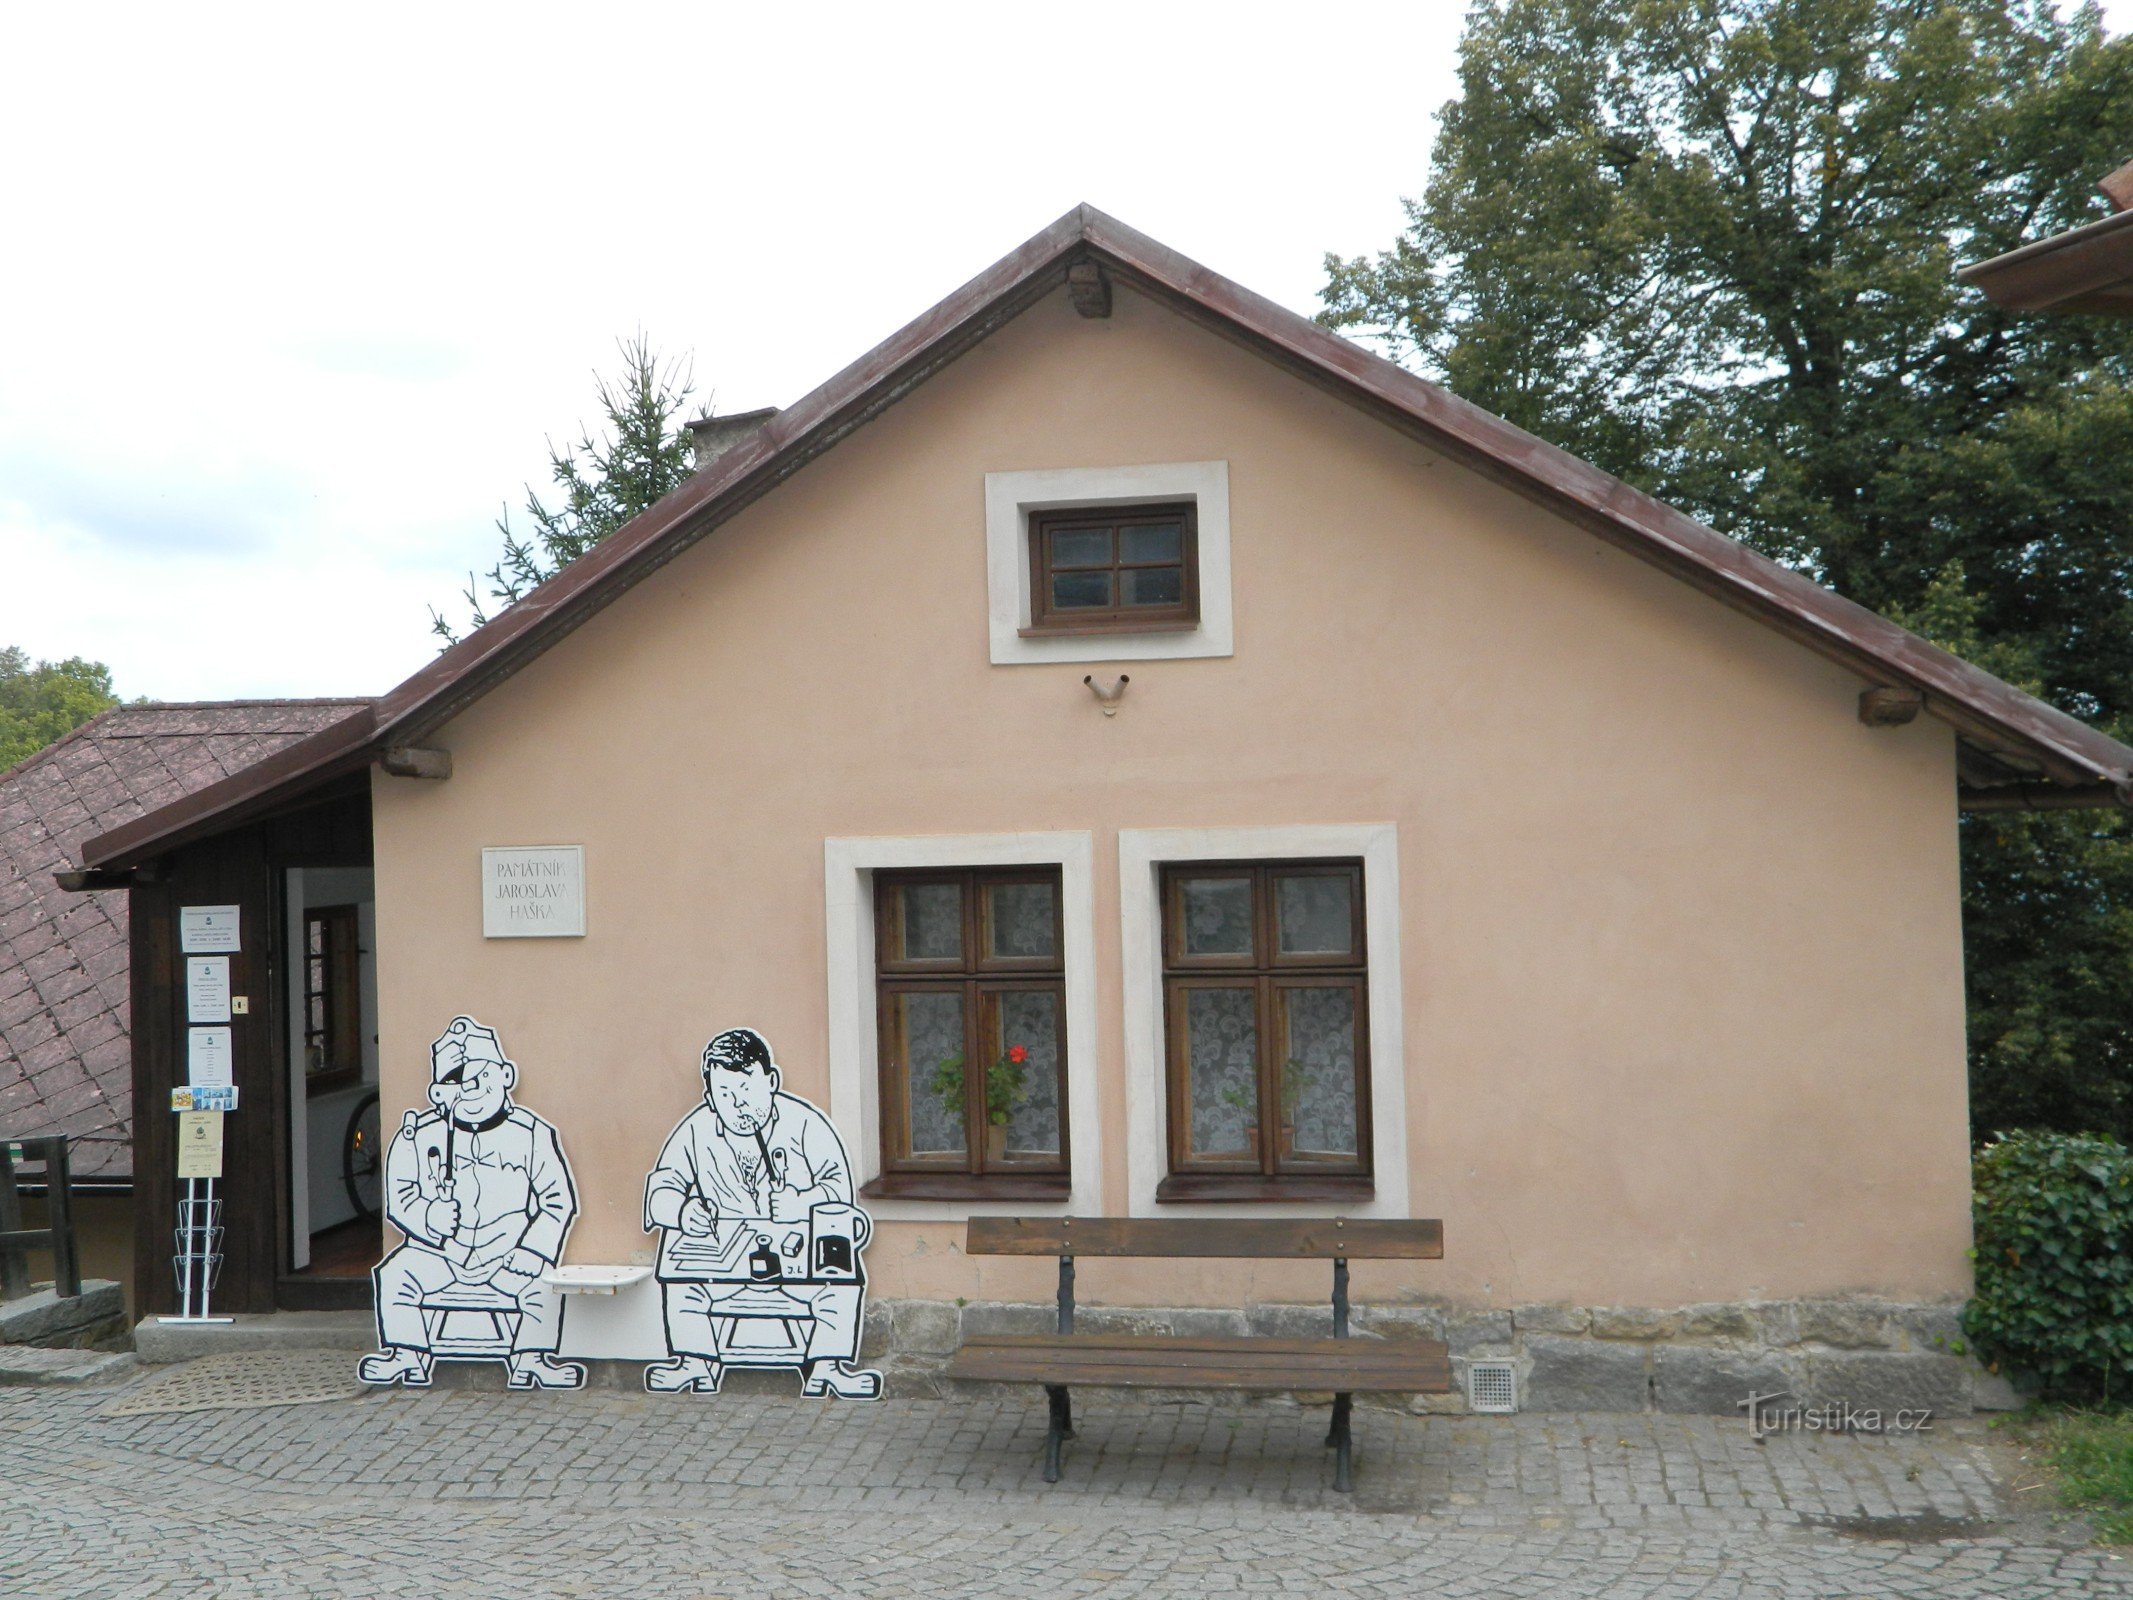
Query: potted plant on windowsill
point(1245, 1103)
point(1004, 1081)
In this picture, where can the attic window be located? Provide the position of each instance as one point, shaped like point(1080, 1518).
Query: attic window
point(1121, 563)
point(1114, 568)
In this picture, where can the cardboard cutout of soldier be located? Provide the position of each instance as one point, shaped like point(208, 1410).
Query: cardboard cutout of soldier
point(480, 1187)
point(759, 1251)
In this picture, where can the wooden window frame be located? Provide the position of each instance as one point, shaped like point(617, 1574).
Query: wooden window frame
point(1266, 972)
point(1048, 621)
point(979, 979)
point(341, 1038)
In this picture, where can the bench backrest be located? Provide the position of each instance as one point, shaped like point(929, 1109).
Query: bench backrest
point(1318, 1238)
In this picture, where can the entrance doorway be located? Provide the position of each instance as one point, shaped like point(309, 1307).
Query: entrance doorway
point(336, 1231)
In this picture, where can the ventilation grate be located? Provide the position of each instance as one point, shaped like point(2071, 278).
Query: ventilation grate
point(239, 1380)
point(1492, 1387)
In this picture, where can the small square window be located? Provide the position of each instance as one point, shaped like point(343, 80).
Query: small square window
point(1114, 569)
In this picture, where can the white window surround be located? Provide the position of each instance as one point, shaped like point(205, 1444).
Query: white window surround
point(849, 866)
point(1141, 851)
point(1011, 496)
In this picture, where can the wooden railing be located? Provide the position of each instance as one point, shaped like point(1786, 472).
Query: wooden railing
point(16, 1241)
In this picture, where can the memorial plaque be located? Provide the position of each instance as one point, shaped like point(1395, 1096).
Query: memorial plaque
point(533, 892)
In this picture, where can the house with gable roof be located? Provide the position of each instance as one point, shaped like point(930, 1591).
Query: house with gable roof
point(1326, 798)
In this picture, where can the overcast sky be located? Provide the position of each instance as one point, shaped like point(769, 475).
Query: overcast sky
point(292, 298)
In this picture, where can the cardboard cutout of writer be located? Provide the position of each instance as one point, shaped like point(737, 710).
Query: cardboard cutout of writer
point(759, 1261)
point(480, 1187)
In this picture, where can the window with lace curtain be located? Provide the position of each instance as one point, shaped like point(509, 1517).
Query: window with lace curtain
point(970, 985)
point(1266, 1021)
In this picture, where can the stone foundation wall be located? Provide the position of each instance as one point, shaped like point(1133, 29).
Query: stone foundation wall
point(1869, 1354)
point(93, 1320)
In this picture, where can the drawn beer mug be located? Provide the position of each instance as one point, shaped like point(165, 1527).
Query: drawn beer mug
point(839, 1232)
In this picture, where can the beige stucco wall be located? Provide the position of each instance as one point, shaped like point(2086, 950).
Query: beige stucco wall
point(1680, 942)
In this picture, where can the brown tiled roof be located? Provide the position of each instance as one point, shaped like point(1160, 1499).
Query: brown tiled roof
point(2030, 752)
point(65, 1061)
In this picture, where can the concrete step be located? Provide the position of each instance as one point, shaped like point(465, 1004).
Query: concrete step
point(158, 1341)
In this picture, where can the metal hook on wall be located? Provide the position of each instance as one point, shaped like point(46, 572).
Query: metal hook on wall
point(1108, 698)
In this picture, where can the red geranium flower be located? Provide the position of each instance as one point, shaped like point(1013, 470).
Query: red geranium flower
point(1017, 1054)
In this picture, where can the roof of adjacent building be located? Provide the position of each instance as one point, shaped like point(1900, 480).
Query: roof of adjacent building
point(2089, 268)
point(65, 1054)
point(2012, 743)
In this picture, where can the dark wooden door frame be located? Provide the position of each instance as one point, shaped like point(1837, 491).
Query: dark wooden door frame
point(295, 1291)
point(229, 869)
point(243, 866)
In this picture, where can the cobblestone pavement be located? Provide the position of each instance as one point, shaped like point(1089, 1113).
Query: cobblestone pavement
point(609, 1493)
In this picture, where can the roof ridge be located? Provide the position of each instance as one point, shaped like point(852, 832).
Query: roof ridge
point(282, 700)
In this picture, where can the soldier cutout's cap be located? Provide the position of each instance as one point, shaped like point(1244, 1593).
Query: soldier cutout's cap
point(463, 1042)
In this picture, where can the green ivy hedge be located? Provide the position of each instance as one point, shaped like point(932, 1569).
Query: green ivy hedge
point(2054, 1218)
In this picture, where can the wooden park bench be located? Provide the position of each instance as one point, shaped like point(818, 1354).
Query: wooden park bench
point(1345, 1366)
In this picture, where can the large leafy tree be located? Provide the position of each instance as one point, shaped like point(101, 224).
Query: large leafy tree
point(641, 454)
point(1710, 245)
point(46, 700)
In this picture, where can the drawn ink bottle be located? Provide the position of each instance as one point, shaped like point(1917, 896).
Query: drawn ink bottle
point(763, 1262)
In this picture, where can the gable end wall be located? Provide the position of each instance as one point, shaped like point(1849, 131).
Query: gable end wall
point(1680, 941)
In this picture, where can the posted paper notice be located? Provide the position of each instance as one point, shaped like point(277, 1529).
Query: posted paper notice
point(199, 1144)
point(207, 1057)
point(207, 988)
point(207, 930)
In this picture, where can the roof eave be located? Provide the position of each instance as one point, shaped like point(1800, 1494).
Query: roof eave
point(791, 439)
point(2042, 797)
point(1977, 704)
point(2085, 269)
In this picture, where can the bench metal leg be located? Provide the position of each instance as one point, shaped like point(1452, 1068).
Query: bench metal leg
point(1341, 1440)
point(1061, 1430)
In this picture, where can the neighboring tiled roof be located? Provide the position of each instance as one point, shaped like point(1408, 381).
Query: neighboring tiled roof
point(65, 1059)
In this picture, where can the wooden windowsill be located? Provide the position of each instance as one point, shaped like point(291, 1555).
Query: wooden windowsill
point(1187, 625)
point(962, 1186)
point(1246, 1187)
